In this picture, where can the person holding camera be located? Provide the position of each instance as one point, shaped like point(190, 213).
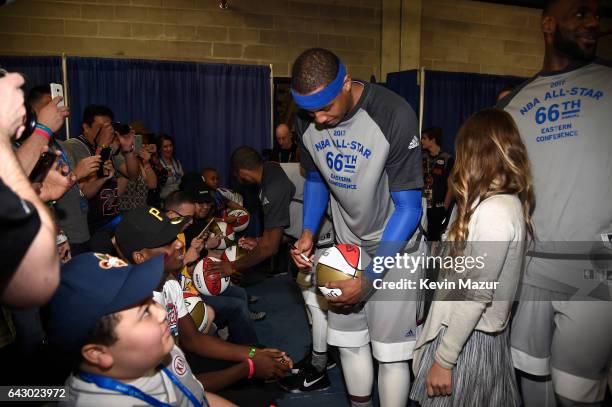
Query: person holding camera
point(61, 184)
point(113, 145)
point(30, 272)
point(134, 193)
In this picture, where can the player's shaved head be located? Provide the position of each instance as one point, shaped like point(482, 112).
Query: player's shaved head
point(245, 158)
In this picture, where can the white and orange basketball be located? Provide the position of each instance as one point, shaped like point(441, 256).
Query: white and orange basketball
point(242, 219)
point(197, 309)
point(340, 262)
point(233, 253)
point(208, 284)
point(226, 231)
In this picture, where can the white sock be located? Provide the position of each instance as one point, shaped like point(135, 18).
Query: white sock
point(358, 370)
point(537, 393)
point(319, 328)
point(393, 383)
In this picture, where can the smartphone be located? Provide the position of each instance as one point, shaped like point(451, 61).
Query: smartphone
point(137, 143)
point(57, 90)
point(104, 156)
point(42, 167)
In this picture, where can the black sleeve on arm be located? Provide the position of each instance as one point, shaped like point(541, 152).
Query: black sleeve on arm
point(19, 224)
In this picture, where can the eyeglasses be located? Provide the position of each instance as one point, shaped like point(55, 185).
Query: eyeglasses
point(179, 219)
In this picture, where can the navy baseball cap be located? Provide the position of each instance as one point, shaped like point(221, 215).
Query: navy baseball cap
point(93, 285)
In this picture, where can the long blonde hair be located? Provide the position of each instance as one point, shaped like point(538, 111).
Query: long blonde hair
point(491, 159)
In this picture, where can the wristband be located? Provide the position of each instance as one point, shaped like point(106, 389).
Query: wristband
point(251, 368)
point(131, 150)
point(43, 130)
point(252, 352)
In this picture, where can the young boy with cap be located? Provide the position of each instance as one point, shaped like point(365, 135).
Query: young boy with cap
point(103, 315)
point(144, 233)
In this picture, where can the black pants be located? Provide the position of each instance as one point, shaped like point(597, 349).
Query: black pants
point(435, 217)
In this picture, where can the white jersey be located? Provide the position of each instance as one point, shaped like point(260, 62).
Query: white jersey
point(171, 298)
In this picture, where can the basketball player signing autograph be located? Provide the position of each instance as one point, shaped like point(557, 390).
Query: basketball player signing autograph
point(360, 148)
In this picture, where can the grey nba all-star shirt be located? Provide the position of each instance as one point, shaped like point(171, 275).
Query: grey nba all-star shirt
point(565, 121)
point(374, 151)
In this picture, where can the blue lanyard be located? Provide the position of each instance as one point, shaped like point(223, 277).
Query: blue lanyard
point(112, 384)
point(64, 157)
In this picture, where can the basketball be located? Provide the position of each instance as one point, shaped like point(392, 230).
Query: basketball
point(340, 262)
point(208, 284)
point(233, 253)
point(242, 219)
point(197, 310)
point(225, 230)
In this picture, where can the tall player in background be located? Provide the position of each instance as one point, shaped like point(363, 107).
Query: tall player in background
point(360, 142)
point(561, 331)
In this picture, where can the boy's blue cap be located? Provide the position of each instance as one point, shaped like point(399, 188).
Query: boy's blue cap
point(93, 285)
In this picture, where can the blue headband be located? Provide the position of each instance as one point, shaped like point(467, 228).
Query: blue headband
point(323, 97)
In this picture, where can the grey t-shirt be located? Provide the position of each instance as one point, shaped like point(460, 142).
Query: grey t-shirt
point(374, 151)
point(159, 386)
point(565, 120)
point(71, 209)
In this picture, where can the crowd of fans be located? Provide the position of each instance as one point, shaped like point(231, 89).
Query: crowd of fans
point(114, 197)
point(117, 262)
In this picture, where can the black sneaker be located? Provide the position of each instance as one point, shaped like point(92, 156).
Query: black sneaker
point(307, 379)
point(305, 361)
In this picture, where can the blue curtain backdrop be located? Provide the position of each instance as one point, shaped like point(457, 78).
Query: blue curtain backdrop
point(452, 97)
point(405, 83)
point(37, 70)
point(209, 109)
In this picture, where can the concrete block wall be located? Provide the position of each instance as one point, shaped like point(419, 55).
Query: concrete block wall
point(250, 31)
point(455, 35)
point(472, 36)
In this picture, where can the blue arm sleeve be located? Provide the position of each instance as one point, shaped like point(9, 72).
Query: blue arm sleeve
point(400, 226)
point(316, 196)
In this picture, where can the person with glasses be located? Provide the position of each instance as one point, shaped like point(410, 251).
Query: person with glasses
point(100, 188)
